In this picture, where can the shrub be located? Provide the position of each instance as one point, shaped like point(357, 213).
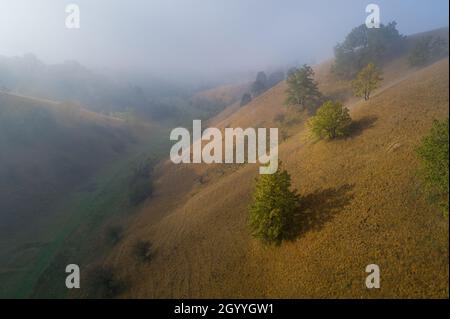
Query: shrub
point(114, 234)
point(142, 250)
point(367, 80)
point(433, 152)
point(103, 283)
point(273, 207)
point(332, 120)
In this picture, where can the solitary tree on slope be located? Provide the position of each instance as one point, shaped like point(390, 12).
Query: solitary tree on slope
point(367, 80)
point(273, 207)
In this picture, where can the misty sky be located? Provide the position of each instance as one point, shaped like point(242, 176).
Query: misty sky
point(198, 36)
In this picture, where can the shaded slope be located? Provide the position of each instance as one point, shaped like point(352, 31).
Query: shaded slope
point(48, 151)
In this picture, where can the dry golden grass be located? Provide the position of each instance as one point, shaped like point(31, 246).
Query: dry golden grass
point(362, 204)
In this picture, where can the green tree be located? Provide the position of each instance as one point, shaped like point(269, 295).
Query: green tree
point(273, 207)
point(332, 120)
point(260, 85)
point(421, 52)
point(302, 89)
point(363, 45)
point(114, 234)
point(367, 80)
point(439, 48)
point(433, 153)
point(427, 50)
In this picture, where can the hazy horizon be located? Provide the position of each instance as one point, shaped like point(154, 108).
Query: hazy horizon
point(197, 38)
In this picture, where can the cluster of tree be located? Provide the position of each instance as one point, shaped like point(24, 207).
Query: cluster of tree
point(363, 45)
point(433, 152)
point(261, 84)
point(332, 119)
point(274, 204)
point(428, 49)
point(302, 89)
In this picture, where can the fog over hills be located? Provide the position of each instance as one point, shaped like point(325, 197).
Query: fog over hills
point(194, 39)
point(89, 119)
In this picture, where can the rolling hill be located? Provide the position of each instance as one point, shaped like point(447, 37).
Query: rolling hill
point(50, 153)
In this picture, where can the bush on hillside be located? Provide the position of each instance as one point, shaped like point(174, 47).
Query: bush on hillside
point(433, 153)
point(103, 283)
point(142, 251)
point(332, 120)
point(367, 80)
point(114, 234)
point(273, 207)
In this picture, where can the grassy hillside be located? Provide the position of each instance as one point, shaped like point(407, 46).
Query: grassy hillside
point(56, 160)
point(362, 203)
point(65, 180)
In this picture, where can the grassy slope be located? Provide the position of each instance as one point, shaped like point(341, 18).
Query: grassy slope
point(57, 163)
point(363, 204)
point(80, 236)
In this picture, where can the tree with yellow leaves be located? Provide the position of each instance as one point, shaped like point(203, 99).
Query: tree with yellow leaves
point(367, 80)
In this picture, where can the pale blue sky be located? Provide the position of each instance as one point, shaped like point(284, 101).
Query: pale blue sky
point(198, 36)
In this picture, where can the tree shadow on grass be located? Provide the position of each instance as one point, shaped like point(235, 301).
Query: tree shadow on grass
point(358, 126)
point(318, 208)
